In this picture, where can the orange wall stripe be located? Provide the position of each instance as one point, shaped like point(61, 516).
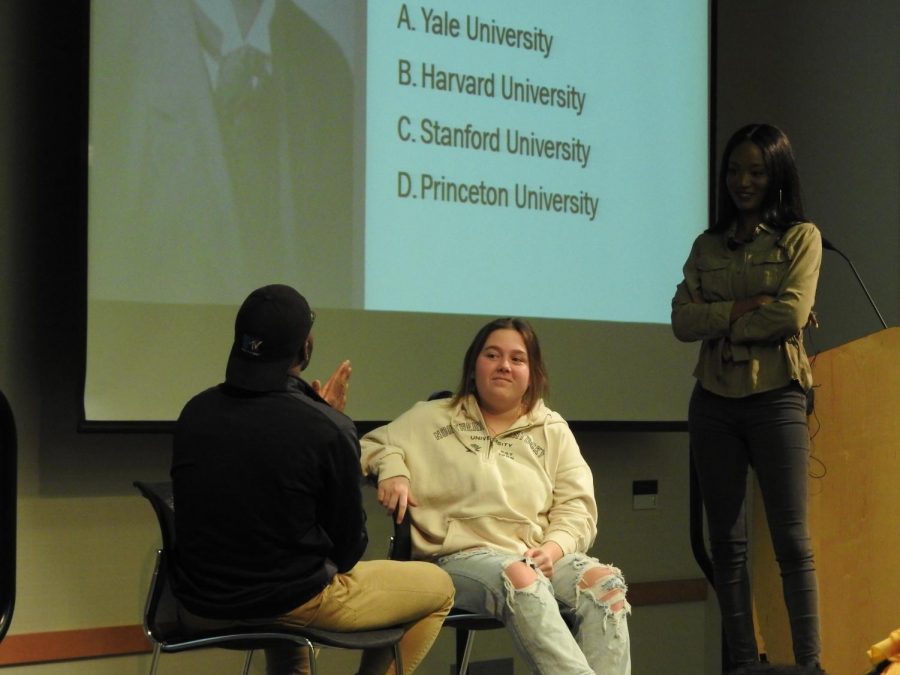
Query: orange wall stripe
point(68, 645)
point(88, 643)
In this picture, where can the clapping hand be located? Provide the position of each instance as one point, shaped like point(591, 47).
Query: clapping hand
point(334, 391)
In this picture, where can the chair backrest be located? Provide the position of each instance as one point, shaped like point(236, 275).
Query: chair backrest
point(163, 626)
point(8, 495)
point(401, 540)
point(162, 500)
point(161, 611)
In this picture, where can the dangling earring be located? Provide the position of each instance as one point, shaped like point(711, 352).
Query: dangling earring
point(780, 204)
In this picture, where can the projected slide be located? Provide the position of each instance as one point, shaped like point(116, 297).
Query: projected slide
point(533, 162)
point(223, 146)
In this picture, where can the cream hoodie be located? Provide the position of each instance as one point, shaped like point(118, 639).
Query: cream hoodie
point(512, 492)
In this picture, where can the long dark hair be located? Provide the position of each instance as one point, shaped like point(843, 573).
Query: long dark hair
point(538, 384)
point(782, 205)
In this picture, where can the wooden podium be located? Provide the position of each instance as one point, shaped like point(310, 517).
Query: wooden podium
point(854, 508)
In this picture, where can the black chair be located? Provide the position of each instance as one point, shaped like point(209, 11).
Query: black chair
point(464, 623)
point(8, 469)
point(167, 634)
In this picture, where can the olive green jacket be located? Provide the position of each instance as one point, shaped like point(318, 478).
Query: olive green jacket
point(763, 349)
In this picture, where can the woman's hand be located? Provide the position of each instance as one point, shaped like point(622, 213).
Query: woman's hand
point(741, 307)
point(545, 557)
point(394, 495)
point(334, 391)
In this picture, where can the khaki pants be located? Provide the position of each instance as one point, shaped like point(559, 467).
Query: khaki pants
point(374, 594)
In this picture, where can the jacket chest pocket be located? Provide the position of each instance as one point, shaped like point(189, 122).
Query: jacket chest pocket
point(715, 277)
point(767, 271)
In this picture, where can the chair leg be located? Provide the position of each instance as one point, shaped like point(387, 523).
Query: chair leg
point(464, 640)
point(154, 662)
point(397, 660)
point(313, 663)
point(247, 661)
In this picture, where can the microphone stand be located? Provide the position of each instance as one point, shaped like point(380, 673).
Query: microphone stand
point(831, 247)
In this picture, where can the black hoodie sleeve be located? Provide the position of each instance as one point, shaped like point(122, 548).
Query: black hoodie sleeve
point(340, 512)
point(342, 515)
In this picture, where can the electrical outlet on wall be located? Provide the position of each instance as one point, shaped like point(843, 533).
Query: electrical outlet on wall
point(644, 494)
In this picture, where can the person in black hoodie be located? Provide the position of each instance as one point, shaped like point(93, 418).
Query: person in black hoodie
point(269, 521)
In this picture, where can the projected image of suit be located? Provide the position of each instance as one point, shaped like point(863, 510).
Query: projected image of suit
point(221, 151)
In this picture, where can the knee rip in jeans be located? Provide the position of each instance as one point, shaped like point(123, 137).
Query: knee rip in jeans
point(605, 586)
point(520, 577)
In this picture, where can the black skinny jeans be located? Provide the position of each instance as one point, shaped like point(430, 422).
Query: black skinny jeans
point(769, 432)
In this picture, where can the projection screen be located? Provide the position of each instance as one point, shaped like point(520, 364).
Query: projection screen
point(415, 170)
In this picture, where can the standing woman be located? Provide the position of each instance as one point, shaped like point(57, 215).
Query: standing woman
point(748, 292)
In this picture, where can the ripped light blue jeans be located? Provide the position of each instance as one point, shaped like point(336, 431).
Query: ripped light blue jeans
point(600, 644)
